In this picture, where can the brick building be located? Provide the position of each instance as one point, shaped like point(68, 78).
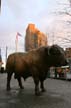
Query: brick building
point(34, 38)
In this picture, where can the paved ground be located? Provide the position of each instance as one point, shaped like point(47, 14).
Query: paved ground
point(58, 94)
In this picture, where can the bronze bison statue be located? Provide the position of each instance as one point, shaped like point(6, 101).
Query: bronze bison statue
point(35, 63)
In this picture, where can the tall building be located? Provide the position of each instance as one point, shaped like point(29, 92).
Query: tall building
point(34, 38)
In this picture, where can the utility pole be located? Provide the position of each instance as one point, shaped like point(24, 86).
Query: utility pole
point(0, 56)
point(6, 52)
point(0, 60)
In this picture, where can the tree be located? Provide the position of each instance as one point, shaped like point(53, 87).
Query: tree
point(63, 13)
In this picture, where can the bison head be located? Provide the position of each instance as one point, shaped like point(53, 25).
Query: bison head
point(56, 56)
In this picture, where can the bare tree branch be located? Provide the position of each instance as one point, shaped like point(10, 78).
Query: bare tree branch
point(65, 38)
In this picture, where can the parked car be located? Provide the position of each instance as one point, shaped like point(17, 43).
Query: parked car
point(63, 72)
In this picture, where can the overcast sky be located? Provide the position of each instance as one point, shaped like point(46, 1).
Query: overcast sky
point(17, 14)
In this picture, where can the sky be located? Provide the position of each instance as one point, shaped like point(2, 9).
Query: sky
point(17, 14)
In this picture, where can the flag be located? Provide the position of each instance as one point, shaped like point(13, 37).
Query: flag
point(18, 34)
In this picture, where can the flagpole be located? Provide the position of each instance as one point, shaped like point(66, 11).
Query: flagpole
point(16, 42)
point(0, 56)
point(16, 45)
point(6, 52)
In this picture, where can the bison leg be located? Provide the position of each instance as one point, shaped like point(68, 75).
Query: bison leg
point(42, 86)
point(20, 82)
point(36, 81)
point(9, 75)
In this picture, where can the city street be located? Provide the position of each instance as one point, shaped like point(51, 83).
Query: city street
point(57, 95)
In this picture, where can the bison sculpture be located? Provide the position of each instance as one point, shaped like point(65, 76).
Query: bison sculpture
point(35, 63)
